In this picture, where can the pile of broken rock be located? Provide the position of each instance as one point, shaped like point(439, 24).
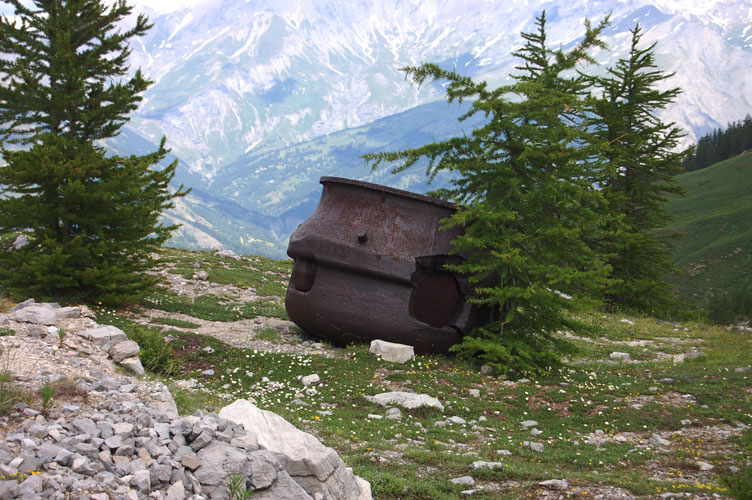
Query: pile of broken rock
point(122, 438)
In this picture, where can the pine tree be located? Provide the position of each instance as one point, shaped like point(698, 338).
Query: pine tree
point(524, 198)
point(641, 159)
point(93, 219)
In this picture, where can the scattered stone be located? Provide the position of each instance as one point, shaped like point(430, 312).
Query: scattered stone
point(208, 349)
point(528, 423)
point(409, 400)
point(475, 393)
point(127, 441)
point(555, 484)
point(464, 481)
point(20, 242)
point(104, 335)
point(686, 422)
point(190, 461)
point(657, 440)
point(393, 413)
point(704, 466)
point(201, 275)
point(134, 365)
point(124, 350)
point(227, 253)
point(486, 370)
point(36, 314)
point(480, 464)
point(622, 356)
point(176, 491)
point(536, 447)
point(311, 380)
point(390, 351)
point(625, 320)
point(741, 369)
point(456, 420)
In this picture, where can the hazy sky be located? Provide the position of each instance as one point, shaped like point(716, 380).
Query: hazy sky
point(159, 6)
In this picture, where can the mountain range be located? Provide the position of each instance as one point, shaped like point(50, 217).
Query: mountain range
point(258, 99)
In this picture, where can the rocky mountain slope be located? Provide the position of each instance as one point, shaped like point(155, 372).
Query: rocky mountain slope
point(257, 99)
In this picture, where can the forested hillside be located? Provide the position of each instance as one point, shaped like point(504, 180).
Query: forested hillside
point(715, 218)
point(721, 145)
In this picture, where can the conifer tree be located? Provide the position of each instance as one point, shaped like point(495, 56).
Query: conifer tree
point(640, 162)
point(524, 198)
point(93, 219)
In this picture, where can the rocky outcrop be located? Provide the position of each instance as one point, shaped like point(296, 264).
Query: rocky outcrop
point(121, 437)
point(317, 468)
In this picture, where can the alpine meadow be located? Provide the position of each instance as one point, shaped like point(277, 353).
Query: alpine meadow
point(590, 261)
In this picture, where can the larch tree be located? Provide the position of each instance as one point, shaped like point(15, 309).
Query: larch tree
point(93, 219)
point(641, 159)
point(524, 196)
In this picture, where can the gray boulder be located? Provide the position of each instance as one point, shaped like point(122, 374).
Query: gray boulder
point(407, 400)
point(389, 351)
point(36, 314)
point(104, 335)
point(123, 350)
point(68, 312)
point(20, 242)
point(134, 365)
point(219, 461)
point(315, 467)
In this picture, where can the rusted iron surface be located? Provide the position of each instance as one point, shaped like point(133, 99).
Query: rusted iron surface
point(369, 265)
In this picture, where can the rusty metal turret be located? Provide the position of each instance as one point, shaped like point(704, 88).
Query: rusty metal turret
point(369, 264)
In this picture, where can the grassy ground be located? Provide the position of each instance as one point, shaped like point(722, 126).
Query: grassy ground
point(715, 219)
point(615, 428)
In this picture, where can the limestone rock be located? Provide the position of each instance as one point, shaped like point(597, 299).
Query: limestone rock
point(36, 314)
point(480, 464)
point(390, 351)
point(68, 312)
point(555, 484)
point(315, 467)
point(134, 365)
point(704, 466)
point(219, 460)
point(409, 400)
point(176, 491)
point(123, 350)
point(20, 242)
point(104, 335)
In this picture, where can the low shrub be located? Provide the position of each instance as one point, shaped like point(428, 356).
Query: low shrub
point(156, 354)
point(517, 355)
